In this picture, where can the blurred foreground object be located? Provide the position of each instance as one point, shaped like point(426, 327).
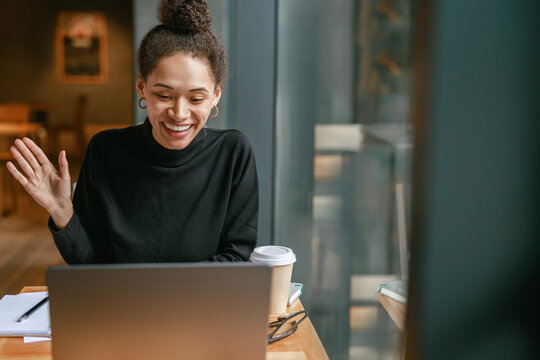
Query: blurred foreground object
point(475, 226)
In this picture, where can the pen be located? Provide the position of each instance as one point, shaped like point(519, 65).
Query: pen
point(27, 314)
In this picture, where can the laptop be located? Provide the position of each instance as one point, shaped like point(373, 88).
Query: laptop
point(159, 311)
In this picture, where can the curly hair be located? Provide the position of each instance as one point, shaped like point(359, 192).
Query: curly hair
point(185, 28)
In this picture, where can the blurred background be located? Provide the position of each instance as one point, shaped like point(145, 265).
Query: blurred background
point(392, 138)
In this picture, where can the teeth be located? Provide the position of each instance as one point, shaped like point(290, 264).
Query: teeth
point(177, 128)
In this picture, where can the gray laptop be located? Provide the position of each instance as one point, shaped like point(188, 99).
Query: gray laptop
point(159, 311)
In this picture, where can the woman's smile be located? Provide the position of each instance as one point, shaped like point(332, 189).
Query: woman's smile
point(177, 131)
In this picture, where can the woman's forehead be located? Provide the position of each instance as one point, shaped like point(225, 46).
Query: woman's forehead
point(181, 70)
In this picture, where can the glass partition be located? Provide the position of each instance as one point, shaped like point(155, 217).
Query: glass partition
point(343, 163)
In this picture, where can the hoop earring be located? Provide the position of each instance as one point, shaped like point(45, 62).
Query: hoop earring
point(216, 113)
point(140, 106)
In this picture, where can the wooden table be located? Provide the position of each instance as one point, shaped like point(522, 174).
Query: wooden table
point(19, 129)
point(395, 309)
point(304, 344)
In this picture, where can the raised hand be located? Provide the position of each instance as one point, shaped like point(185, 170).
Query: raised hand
point(50, 188)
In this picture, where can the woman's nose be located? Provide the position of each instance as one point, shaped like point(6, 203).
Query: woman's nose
point(180, 110)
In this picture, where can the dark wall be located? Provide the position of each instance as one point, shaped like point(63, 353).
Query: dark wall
point(27, 59)
point(476, 229)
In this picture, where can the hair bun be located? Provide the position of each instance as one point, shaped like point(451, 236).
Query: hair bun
point(185, 16)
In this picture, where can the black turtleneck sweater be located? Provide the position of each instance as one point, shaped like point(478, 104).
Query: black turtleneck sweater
point(136, 201)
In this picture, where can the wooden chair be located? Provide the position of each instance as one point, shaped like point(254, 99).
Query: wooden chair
point(76, 127)
point(9, 114)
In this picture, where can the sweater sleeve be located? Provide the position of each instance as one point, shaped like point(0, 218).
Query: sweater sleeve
point(75, 242)
point(239, 234)
point(72, 241)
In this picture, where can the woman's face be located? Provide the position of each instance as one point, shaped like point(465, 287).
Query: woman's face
point(180, 94)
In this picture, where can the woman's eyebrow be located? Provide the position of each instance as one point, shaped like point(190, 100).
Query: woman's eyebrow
point(199, 89)
point(165, 86)
point(192, 90)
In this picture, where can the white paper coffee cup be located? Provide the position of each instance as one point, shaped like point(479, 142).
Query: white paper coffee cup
point(281, 259)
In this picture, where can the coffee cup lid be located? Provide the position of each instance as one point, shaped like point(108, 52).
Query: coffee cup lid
point(273, 255)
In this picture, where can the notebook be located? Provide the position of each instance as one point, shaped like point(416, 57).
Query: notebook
point(12, 307)
point(159, 311)
point(395, 289)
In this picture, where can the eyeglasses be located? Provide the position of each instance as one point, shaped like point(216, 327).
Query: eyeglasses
point(292, 319)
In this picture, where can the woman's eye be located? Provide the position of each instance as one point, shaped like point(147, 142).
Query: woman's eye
point(197, 100)
point(163, 97)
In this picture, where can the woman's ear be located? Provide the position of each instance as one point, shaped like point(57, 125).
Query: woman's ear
point(140, 85)
point(217, 94)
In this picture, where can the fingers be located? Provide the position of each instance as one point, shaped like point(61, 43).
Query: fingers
point(22, 161)
point(64, 167)
point(36, 150)
point(28, 155)
point(16, 174)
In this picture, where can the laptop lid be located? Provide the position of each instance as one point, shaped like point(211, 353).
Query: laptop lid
point(159, 311)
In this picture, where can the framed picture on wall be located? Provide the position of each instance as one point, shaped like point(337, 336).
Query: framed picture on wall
point(81, 47)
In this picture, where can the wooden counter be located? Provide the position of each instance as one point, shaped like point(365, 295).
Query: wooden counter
point(304, 344)
point(396, 310)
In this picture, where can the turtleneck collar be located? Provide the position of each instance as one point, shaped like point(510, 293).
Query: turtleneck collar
point(159, 155)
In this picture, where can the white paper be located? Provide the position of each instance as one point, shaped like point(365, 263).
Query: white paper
point(31, 339)
point(12, 307)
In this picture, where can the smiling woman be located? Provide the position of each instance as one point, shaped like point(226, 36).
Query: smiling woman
point(169, 190)
point(180, 94)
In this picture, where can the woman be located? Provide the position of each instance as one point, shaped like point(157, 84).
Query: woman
point(168, 190)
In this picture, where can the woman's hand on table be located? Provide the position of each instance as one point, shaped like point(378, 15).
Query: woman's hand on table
point(48, 187)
